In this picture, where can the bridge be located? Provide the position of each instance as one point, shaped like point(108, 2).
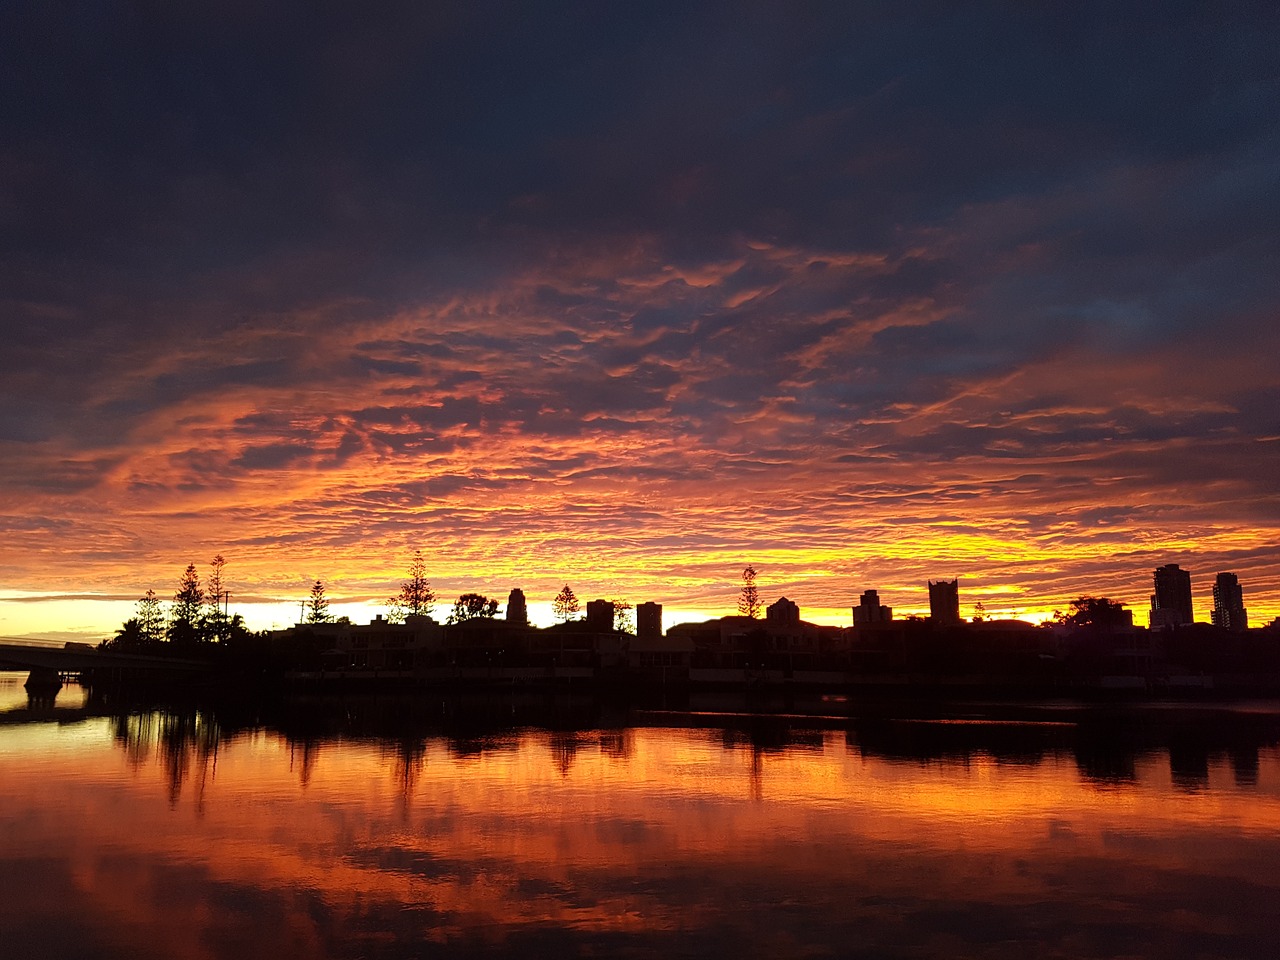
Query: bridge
point(48, 662)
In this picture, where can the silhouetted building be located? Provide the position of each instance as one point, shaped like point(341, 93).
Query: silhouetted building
point(944, 601)
point(782, 612)
point(648, 620)
point(1228, 604)
point(517, 612)
point(653, 656)
point(1171, 603)
point(661, 658)
point(600, 616)
point(736, 643)
point(869, 610)
point(377, 645)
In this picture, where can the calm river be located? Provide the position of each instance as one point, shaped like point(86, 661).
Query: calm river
point(394, 828)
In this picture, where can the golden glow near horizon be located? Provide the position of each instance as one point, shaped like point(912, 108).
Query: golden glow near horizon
point(614, 516)
point(678, 545)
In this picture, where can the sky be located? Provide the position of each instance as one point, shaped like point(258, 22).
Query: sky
point(629, 296)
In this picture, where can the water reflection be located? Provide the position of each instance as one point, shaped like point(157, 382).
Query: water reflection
point(393, 828)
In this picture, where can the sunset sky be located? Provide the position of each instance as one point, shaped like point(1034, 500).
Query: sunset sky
point(631, 295)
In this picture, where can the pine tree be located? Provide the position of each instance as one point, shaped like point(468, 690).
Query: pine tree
point(749, 598)
point(565, 604)
point(318, 605)
point(150, 619)
point(416, 598)
point(215, 620)
point(184, 615)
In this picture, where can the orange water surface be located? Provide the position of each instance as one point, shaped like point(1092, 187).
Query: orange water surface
point(161, 834)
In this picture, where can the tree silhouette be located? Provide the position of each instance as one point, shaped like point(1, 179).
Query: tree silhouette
point(215, 620)
point(128, 637)
point(416, 598)
point(749, 599)
point(473, 606)
point(184, 615)
point(622, 616)
point(150, 619)
point(1094, 612)
point(565, 604)
point(318, 605)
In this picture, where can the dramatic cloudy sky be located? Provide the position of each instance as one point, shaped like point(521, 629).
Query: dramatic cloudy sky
point(631, 295)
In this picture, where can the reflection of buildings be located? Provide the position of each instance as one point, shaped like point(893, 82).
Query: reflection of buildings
point(304, 753)
point(564, 750)
point(409, 757)
point(1228, 604)
point(1171, 603)
point(944, 601)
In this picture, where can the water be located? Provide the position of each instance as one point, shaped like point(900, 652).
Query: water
point(390, 828)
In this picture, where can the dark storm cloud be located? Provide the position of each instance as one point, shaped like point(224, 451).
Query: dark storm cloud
point(202, 136)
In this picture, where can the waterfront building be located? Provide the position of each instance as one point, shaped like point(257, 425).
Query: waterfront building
point(600, 616)
point(653, 656)
point(870, 611)
point(517, 610)
point(1171, 603)
point(648, 620)
point(782, 613)
point(1228, 604)
point(944, 601)
point(376, 645)
point(784, 642)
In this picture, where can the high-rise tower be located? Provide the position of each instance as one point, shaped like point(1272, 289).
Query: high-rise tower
point(869, 610)
point(517, 611)
point(1171, 603)
point(648, 620)
point(1228, 604)
point(944, 601)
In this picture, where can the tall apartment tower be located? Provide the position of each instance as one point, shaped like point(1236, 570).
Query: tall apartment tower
point(1228, 604)
point(1171, 603)
point(600, 616)
point(870, 610)
point(944, 601)
point(782, 613)
point(648, 620)
point(517, 610)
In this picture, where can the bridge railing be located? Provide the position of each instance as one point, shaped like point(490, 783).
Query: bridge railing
point(36, 642)
point(76, 657)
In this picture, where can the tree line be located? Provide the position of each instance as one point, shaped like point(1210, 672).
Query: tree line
point(198, 614)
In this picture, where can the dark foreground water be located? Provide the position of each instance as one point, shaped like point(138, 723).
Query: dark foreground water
point(419, 829)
